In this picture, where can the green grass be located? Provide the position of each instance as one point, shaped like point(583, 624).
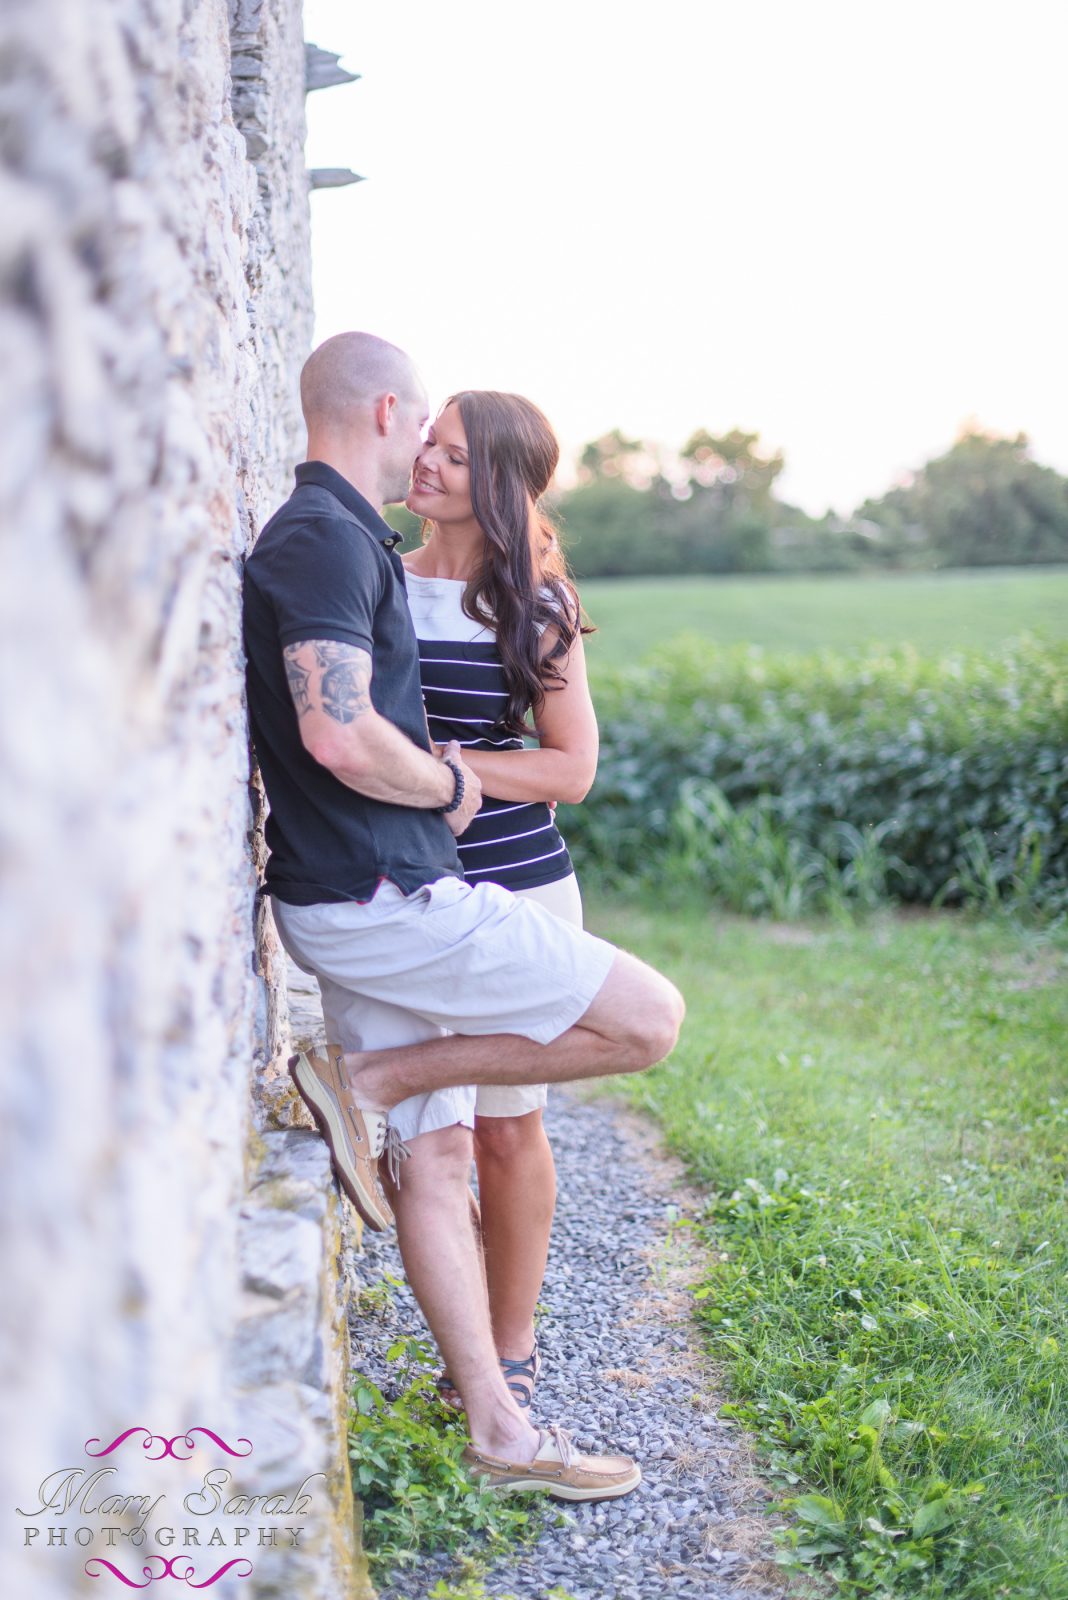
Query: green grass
point(879, 1115)
point(933, 611)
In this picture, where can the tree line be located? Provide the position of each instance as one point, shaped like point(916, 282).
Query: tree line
point(713, 508)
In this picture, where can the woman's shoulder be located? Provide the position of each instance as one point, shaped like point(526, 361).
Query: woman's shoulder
point(562, 603)
point(436, 606)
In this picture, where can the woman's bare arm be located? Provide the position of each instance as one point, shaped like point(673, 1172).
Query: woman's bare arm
point(565, 763)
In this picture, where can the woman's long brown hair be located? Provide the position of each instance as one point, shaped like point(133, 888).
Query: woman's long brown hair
point(522, 586)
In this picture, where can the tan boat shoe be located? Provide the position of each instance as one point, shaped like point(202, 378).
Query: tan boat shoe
point(355, 1136)
point(558, 1470)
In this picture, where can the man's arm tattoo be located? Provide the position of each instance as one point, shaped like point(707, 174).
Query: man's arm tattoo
point(297, 678)
point(328, 651)
point(346, 687)
point(335, 678)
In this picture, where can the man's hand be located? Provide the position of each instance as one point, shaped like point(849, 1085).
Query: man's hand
point(472, 800)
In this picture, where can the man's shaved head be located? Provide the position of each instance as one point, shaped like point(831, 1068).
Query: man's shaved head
point(351, 372)
point(365, 407)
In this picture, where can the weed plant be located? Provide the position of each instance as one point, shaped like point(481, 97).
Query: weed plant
point(417, 1495)
point(471, 1587)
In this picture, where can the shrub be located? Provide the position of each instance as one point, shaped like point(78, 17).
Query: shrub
point(790, 783)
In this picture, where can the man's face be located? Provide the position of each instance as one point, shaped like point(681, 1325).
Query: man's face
point(406, 436)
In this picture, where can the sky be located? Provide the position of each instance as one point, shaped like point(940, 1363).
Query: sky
point(840, 224)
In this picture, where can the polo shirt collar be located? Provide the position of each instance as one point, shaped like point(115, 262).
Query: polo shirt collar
point(326, 477)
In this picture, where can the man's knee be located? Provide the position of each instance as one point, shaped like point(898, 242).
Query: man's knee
point(657, 1021)
point(640, 1010)
point(438, 1160)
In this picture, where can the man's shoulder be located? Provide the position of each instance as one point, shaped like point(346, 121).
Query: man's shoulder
point(314, 501)
point(315, 517)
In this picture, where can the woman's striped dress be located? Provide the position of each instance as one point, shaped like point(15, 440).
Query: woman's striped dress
point(514, 844)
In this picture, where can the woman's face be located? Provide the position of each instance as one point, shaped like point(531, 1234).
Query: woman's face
point(441, 477)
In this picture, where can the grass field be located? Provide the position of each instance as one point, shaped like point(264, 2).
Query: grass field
point(879, 1115)
point(933, 611)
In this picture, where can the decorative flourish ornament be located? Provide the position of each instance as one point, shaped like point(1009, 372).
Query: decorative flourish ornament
point(151, 1439)
point(167, 1571)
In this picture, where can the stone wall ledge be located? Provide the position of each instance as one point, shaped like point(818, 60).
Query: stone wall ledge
point(289, 1355)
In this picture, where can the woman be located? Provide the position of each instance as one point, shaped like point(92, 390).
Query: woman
point(500, 640)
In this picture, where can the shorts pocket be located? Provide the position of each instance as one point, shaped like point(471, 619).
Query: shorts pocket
point(446, 892)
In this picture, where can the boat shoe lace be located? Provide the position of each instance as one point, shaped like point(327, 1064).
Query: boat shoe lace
point(389, 1146)
point(564, 1443)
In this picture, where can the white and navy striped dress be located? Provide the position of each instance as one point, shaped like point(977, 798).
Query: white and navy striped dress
point(514, 844)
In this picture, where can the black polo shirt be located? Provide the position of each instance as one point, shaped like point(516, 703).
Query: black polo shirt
point(325, 567)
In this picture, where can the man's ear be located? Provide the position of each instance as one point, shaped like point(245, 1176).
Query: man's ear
point(386, 412)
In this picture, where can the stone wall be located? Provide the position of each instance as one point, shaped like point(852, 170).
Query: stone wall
point(154, 310)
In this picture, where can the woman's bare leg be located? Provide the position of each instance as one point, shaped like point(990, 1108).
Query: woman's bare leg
point(517, 1190)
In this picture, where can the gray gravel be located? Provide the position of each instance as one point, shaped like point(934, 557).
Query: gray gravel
point(622, 1372)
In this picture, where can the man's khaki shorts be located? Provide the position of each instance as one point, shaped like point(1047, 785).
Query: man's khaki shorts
point(451, 958)
point(563, 899)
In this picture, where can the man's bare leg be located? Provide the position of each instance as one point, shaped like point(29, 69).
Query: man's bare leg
point(632, 1023)
point(441, 1259)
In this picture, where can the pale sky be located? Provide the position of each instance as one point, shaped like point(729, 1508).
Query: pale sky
point(840, 223)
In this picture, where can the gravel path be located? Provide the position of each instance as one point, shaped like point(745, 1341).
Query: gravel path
point(622, 1370)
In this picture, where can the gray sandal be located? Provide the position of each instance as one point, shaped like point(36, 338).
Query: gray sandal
point(520, 1377)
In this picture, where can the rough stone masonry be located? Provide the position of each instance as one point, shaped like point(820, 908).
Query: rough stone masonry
point(169, 1261)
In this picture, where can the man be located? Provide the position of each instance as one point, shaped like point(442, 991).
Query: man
point(429, 985)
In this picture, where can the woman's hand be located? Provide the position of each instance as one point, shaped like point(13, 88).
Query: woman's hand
point(472, 799)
